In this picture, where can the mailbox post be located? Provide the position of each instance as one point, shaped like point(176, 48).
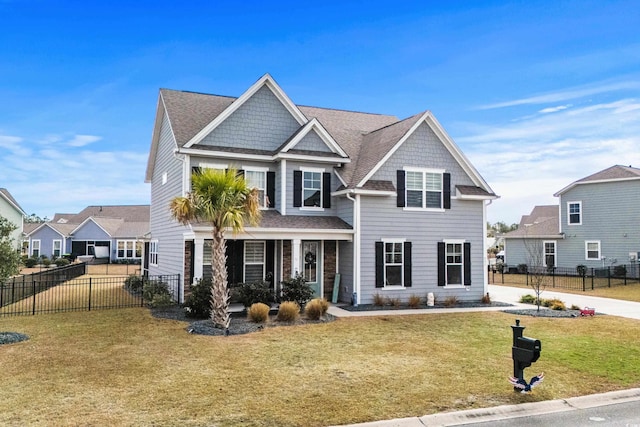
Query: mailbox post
point(524, 351)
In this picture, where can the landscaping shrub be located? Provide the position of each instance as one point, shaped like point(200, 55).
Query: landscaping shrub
point(394, 302)
point(620, 271)
point(581, 269)
point(45, 261)
point(296, 289)
point(62, 262)
point(316, 308)
point(198, 302)
point(523, 268)
point(528, 299)
point(251, 293)
point(258, 312)
point(153, 292)
point(161, 300)
point(486, 299)
point(414, 301)
point(289, 311)
point(30, 262)
point(451, 301)
point(378, 300)
point(575, 307)
point(134, 284)
point(554, 304)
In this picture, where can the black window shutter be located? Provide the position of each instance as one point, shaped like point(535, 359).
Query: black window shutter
point(379, 265)
point(441, 265)
point(269, 260)
point(196, 169)
point(297, 189)
point(446, 190)
point(235, 260)
point(467, 264)
point(407, 264)
point(240, 173)
point(271, 189)
point(326, 190)
point(400, 185)
point(239, 260)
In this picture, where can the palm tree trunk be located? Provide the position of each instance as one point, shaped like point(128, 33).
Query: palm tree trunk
point(219, 289)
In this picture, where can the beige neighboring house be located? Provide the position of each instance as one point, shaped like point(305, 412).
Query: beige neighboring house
point(11, 210)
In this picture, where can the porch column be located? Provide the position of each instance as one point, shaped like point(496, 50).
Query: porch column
point(198, 258)
point(296, 248)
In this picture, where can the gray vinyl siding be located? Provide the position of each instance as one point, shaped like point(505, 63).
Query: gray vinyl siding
point(262, 123)
point(517, 251)
point(46, 236)
point(610, 214)
point(344, 209)
point(382, 219)
point(14, 216)
point(312, 142)
point(90, 231)
point(291, 166)
point(423, 149)
point(164, 229)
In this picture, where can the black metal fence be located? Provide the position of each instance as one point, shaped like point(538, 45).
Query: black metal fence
point(577, 278)
point(52, 293)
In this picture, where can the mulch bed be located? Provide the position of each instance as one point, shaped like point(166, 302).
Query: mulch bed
point(461, 304)
point(12, 337)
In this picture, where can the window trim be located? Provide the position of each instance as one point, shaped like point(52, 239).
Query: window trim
point(153, 252)
point(39, 249)
point(402, 241)
point(424, 190)
point(53, 248)
point(264, 171)
point(134, 244)
point(586, 250)
point(555, 253)
point(320, 171)
point(244, 258)
point(460, 242)
point(579, 203)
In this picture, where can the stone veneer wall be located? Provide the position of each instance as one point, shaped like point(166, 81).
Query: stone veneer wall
point(188, 246)
point(329, 267)
point(286, 259)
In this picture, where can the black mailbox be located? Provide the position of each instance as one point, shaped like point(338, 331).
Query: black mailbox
point(524, 352)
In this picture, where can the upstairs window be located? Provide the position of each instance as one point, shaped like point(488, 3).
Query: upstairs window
point(424, 189)
point(258, 180)
point(311, 189)
point(574, 213)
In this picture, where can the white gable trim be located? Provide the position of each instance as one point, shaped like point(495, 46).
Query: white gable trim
point(20, 211)
point(265, 80)
point(316, 126)
point(92, 220)
point(161, 113)
point(446, 140)
point(231, 155)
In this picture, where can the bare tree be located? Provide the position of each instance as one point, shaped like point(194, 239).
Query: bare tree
point(536, 266)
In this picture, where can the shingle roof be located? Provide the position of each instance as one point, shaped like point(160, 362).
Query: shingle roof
point(613, 173)
point(543, 221)
point(273, 219)
point(5, 193)
point(472, 190)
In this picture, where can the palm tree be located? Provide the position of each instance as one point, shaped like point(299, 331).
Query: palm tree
point(223, 199)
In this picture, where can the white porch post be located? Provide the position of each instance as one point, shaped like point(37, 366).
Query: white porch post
point(198, 258)
point(296, 247)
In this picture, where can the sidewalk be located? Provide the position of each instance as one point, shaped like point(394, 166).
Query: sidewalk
point(512, 295)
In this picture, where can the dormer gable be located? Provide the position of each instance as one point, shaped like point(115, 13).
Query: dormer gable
point(312, 137)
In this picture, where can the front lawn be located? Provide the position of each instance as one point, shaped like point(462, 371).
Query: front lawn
point(124, 367)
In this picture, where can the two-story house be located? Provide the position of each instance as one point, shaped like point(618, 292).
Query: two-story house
point(392, 206)
point(595, 224)
point(11, 211)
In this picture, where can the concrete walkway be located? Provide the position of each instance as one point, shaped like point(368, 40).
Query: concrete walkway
point(512, 295)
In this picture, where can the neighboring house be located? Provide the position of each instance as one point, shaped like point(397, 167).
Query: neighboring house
point(595, 223)
point(104, 233)
point(392, 206)
point(11, 210)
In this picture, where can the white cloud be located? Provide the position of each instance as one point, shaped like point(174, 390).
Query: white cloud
point(554, 109)
point(83, 140)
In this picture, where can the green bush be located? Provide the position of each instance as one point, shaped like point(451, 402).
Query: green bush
point(251, 293)
point(289, 311)
point(581, 269)
point(258, 312)
point(528, 299)
point(62, 262)
point(30, 262)
point(198, 302)
point(161, 300)
point(296, 289)
point(134, 284)
point(153, 292)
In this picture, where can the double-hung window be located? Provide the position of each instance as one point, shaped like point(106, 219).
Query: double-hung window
point(424, 189)
point(129, 249)
point(57, 248)
point(574, 213)
point(592, 250)
point(254, 260)
point(393, 263)
point(153, 252)
point(549, 253)
point(258, 179)
point(35, 248)
point(454, 263)
point(312, 189)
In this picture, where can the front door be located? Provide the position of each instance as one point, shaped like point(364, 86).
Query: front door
point(310, 266)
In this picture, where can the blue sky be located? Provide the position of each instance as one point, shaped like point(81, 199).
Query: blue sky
point(537, 94)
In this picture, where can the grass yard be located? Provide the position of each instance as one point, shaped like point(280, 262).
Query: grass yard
point(630, 292)
point(124, 367)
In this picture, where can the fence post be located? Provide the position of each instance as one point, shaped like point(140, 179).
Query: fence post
point(583, 284)
point(89, 293)
point(33, 308)
point(609, 276)
point(553, 277)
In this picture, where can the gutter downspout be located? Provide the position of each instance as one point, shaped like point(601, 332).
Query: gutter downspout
point(485, 263)
point(356, 247)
